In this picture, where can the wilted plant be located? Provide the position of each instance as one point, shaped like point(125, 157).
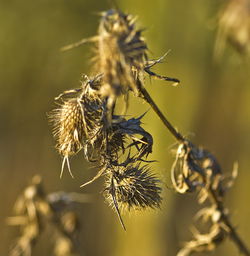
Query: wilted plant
point(85, 120)
point(197, 170)
point(35, 211)
point(115, 146)
point(120, 56)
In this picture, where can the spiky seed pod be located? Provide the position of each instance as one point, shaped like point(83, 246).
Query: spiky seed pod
point(79, 122)
point(122, 144)
point(121, 53)
point(68, 128)
point(120, 57)
point(133, 187)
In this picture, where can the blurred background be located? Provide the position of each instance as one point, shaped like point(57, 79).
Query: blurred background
point(211, 107)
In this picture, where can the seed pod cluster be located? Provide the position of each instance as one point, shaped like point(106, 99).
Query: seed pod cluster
point(121, 57)
point(85, 118)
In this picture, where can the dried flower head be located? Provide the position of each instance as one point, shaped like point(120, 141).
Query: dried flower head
point(133, 187)
point(234, 26)
point(121, 52)
point(117, 144)
point(123, 143)
point(78, 120)
point(121, 57)
point(68, 129)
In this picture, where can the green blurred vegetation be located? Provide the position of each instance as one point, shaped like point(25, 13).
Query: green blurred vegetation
point(211, 106)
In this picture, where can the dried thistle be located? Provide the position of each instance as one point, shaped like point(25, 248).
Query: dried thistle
point(133, 187)
point(35, 211)
point(196, 169)
point(111, 140)
point(117, 146)
point(69, 130)
point(121, 53)
point(234, 27)
point(193, 167)
point(120, 56)
point(78, 120)
point(125, 142)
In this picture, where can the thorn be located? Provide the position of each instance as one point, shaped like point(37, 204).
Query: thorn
point(79, 43)
point(94, 178)
point(63, 163)
point(66, 158)
point(71, 174)
point(116, 205)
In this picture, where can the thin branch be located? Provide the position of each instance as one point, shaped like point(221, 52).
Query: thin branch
point(153, 105)
point(225, 220)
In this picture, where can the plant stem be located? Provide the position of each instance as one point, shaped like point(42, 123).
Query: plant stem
point(225, 220)
point(169, 126)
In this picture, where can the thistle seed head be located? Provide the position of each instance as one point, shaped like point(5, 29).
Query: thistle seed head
point(121, 53)
point(78, 121)
point(133, 187)
point(69, 127)
point(122, 27)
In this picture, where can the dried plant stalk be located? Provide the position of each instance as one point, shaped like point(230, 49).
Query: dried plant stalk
point(116, 144)
point(198, 170)
point(120, 56)
point(119, 146)
point(35, 211)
